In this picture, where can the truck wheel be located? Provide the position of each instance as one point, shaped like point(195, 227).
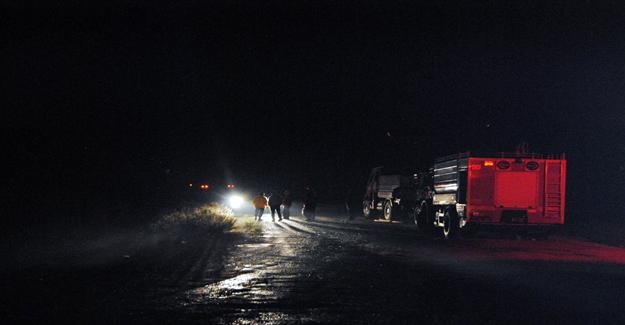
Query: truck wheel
point(366, 209)
point(388, 210)
point(451, 225)
point(421, 217)
point(416, 216)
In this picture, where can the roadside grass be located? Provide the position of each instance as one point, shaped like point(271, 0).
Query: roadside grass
point(208, 218)
point(247, 225)
point(180, 231)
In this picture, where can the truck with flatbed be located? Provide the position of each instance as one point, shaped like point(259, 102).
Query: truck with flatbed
point(392, 195)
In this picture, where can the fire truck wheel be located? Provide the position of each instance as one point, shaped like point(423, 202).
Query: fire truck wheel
point(451, 225)
point(388, 210)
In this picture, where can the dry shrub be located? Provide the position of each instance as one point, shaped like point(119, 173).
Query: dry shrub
point(211, 217)
point(252, 227)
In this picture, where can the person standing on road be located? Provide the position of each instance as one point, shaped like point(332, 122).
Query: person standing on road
point(286, 203)
point(310, 203)
point(275, 200)
point(348, 195)
point(260, 203)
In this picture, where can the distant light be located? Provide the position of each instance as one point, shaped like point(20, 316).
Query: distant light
point(190, 185)
point(235, 201)
point(489, 163)
point(230, 186)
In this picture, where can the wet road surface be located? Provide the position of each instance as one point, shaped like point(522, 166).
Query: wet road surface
point(335, 271)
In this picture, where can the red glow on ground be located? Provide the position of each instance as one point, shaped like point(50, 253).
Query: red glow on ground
point(554, 250)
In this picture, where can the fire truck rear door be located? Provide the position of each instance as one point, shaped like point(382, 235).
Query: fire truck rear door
point(516, 190)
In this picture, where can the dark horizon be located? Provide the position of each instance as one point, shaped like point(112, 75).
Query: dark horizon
point(120, 101)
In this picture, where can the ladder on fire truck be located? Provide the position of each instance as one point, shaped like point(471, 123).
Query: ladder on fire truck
point(553, 185)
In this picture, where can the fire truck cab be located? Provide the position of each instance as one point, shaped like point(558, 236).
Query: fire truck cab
point(497, 189)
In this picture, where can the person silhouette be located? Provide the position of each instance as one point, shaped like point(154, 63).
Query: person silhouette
point(286, 203)
point(260, 203)
point(275, 200)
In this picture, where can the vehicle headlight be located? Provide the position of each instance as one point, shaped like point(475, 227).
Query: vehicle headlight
point(235, 201)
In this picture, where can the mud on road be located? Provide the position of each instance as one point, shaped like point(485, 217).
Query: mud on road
point(333, 271)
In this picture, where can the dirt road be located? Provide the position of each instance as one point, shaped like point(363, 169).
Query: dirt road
point(334, 271)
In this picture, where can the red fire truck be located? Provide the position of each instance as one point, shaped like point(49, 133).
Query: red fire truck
point(495, 189)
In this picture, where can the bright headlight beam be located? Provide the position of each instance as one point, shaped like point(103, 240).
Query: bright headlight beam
point(235, 201)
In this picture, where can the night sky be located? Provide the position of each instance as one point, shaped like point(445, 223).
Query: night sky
point(114, 101)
